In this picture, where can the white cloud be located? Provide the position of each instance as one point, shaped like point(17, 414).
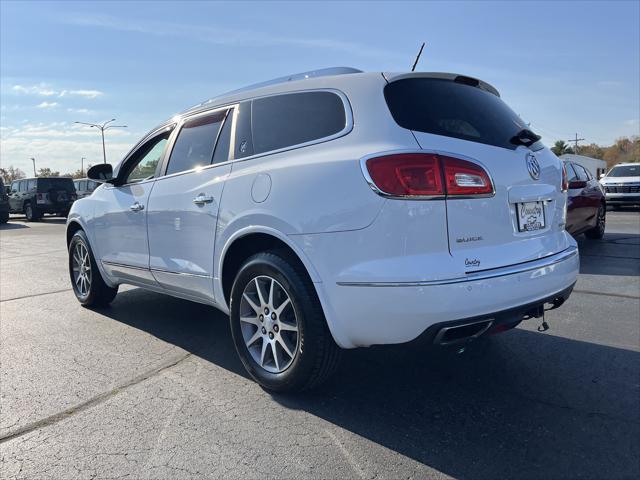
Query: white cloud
point(79, 110)
point(48, 105)
point(41, 89)
point(44, 90)
point(225, 36)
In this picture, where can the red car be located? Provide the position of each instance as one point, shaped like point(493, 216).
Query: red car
point(586, 203)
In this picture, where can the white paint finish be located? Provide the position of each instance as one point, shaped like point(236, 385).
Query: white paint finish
point(182, 233)
point(119, 234)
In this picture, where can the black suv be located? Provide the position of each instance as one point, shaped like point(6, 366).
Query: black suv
point(4, 203)
point(36, 196)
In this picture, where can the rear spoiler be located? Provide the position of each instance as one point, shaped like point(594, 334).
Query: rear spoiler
point(454, 77)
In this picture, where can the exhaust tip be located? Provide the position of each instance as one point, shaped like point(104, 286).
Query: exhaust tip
point(462, 333)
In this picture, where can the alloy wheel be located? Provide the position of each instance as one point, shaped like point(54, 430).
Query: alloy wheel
point(269, 324)
point(81, 265)
point(602, 219)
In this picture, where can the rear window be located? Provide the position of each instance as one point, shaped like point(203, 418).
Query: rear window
point(46, 184)
point(625, 171)
point(444, 107)
point(283, 121)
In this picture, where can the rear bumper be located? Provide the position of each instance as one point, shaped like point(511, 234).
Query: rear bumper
point(363, 314)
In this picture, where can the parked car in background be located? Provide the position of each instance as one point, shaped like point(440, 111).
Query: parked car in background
point(4, 203)
point(333, 209)
point(586, 203)
point(85, 187)
point(37, 196)
point(622, 185)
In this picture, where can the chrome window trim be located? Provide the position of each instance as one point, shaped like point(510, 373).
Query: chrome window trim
point(374, 187)
point(186, 274)
point(123, 265)
point(524, 267)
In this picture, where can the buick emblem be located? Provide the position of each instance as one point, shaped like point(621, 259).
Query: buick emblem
point(533, 166)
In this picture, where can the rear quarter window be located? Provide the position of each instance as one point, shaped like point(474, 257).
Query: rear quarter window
point(451, 109)
point(287, 120)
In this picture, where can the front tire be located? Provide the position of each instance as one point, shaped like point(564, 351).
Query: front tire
point(597, 232)
point(86, 280)
point(278, 326)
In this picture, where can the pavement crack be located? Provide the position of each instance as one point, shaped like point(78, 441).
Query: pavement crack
point(605, 294)
point(35, 295)
point(94, 401)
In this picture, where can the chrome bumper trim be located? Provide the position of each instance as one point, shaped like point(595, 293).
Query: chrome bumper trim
point(480, 275)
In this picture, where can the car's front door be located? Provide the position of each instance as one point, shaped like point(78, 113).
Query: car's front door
point(15, 203)
point(120, 222)
point(183, 207)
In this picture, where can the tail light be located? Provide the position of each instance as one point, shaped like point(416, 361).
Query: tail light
point(565, 178)
point(427, 175)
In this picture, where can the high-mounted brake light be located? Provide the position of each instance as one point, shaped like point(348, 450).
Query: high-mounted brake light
point(427, 175)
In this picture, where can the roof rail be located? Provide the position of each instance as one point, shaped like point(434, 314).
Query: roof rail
point(323, 72)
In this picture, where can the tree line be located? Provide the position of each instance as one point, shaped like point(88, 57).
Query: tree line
point(12, 173)
point(624, 149)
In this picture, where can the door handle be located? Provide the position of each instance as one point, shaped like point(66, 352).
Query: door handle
point(202, 199)
point(136, 207)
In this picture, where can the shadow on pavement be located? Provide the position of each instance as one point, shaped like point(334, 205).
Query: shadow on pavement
point(615, 254)
point(517, 405)
point(12, 226)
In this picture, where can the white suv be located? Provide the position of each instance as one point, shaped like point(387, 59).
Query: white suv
point(335, 209)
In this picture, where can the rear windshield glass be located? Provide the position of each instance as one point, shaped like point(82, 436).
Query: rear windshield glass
point(444, 107)
point(625, 171)
point(45, 184)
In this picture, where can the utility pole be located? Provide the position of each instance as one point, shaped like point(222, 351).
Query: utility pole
point(575, 142)
point(102, 127)
point(34, 167)
point(82, 166)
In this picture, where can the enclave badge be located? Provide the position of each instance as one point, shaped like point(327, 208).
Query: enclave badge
point(533, 166)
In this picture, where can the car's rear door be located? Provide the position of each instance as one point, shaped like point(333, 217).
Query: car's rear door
point(460, 118)
point(183, 207)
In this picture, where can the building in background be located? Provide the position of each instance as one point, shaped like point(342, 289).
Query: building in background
point(596, 166)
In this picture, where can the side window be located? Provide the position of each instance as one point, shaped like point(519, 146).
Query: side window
point(91, 185)
point(22, 186)
point(571, 173)
point(582, 173)
point(82, 185)
point(14, 187)
point(194, 145)
point(31, 184)
point(143, 163)
point(221, 153)
point(282, 121)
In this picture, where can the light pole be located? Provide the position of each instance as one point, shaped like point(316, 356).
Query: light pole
point(102, 128)
point(34, 167)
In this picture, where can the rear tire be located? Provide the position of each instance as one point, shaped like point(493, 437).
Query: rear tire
point(87, 282)
point(597, 232)
point(4, 217)
point(284, 348)
point(31, 212)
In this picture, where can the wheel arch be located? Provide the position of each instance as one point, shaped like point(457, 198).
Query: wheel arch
point(252, 240)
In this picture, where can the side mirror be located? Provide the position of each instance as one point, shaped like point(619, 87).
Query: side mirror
point(601, 176)
point(577, 184)
point(102, 172)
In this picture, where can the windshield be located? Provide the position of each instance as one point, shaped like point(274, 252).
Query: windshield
point(46, 184)
point(445, 107)
point(625, 171)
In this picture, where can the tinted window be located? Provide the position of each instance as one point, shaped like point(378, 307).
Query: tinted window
point(582, 173)
point(571, 173)
point(286, 120)
point(244, 143)
point(625, 171)
point(31, 184)
point(82, 185)
point(195, 143)
point(45, 184)
point(222, 147)
point(444, 107)
point(145, 160)
point(14, 186)
point(22, 186)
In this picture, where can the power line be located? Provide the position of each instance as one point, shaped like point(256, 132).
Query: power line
point(575, 141)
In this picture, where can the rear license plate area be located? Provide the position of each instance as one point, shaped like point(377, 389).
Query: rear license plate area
point(530, 216)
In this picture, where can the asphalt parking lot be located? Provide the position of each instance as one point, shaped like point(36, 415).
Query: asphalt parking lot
point(152, 388)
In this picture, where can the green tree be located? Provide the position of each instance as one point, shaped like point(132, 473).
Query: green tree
point(560, 148)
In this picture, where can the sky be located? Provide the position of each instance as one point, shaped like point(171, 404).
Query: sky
point(565, 67)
